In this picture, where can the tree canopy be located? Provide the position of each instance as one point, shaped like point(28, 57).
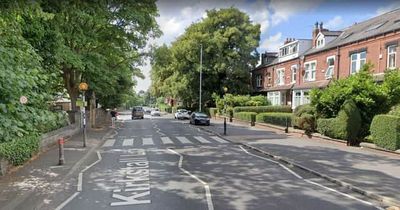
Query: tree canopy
point(229, 40)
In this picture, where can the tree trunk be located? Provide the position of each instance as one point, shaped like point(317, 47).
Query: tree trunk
point(71, 81)
point(93, 110)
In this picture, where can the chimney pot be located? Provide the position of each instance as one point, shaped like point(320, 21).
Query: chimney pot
point(321, 25)
point(316, 25)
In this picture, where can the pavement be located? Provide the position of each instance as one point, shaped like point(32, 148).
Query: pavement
point(369, 171)
point(34, 185)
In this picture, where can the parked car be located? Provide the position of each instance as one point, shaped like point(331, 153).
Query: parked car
point(137, 112)
point(199, 118)
point(182, 114)
point(155, 112)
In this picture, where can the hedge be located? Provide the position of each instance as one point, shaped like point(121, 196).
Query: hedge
point(246, 116)
point(304, 117)
point(263, 109)
point(213, 112)
point(385, 131)
point(19, 150)
point(345, 126)
point(275, 118)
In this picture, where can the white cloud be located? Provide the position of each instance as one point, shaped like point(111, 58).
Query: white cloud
point(284, 9)
point(334, 23)
point(273, 42)
point(388, 8)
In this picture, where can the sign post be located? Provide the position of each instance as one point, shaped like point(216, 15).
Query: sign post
point(83, 87)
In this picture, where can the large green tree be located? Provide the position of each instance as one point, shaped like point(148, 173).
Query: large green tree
point(229, 40)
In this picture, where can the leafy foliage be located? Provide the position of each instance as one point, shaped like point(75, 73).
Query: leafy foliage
point(385, 131)
point(213, 112)
point(275, 118)
point(304, 118)
point(260, 109)
point(246, 116)
point(20, 149)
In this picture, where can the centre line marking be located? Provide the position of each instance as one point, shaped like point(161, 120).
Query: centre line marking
point(309, 181)
point(205, 185)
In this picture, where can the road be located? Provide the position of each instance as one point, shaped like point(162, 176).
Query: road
point(163, 163)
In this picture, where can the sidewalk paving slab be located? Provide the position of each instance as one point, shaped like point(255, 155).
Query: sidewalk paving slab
point(373, 171)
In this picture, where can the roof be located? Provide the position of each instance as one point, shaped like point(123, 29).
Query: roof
point(310, 85)
point(331, 33)
point(378, 25)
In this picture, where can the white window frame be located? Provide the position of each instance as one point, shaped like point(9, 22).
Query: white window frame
point(303, 98)
point(391, 54)
point(310, 74)
point(275, 97)
point(359, 62)
point(330, 68)
point(259, 80)
point(280, 76)
point(294, 73)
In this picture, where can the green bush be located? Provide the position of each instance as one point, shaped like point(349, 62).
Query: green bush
point(304, 117)
point(395, 110)
point(345, 126)
point(246, 116)
point(239, 100)
point(19, 150)
point(385, 131)
point(213, 112)
point(263, 109)
point(276, 118)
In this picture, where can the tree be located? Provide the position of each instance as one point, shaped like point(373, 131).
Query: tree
point(229, 41)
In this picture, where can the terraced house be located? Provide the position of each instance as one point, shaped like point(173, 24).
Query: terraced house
point(287, 76)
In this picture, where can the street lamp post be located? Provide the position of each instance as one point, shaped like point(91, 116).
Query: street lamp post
point(83, 87)
point(225, 90)
point(201, 66)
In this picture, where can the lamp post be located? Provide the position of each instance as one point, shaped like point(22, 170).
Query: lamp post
point(83, 87)
point(201, 66)
point(225, 90)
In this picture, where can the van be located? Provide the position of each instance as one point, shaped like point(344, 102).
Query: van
point(137, 112)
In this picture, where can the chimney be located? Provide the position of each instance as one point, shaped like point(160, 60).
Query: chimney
point(315, 33)
point(268, 57)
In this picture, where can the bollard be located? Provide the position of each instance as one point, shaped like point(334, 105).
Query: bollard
point(61, 159)
point(287, 125)
point(252, 120)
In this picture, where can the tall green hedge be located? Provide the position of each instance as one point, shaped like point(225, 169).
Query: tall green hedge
point(246, 116)
point(345, 126)
point(263, 109)
point(19, 150)
point(275, 118)
point(385, 131)
point(304, 117)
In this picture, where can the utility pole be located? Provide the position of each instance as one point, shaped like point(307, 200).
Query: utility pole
point(201, 65)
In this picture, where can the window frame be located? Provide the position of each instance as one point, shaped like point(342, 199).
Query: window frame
point(308, 73)
point(279, 77)
point(293, 74)
point(259, 80)
point(389, 54)
point(358, 61)
point(331, 67)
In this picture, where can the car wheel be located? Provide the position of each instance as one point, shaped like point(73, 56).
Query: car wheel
point(142, 117)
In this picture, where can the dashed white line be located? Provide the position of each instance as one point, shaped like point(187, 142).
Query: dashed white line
point(205, 185)
point(127, 142)
point(201, 139)
point(61, 206)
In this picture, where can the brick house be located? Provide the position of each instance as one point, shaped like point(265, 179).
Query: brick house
point(301, 65)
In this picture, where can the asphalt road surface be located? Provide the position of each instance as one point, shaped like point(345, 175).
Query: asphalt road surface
point(163, 163)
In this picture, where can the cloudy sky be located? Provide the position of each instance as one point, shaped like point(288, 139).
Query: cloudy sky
point(279, 19)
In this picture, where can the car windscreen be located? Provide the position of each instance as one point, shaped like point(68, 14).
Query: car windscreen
point(201, 115)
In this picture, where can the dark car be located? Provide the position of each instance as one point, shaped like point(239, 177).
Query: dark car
point(137, 112)
point(198, 118)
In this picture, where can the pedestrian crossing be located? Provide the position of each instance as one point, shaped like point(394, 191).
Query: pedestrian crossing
point(163, 140)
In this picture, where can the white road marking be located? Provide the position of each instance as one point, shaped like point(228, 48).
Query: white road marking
point(184, 140)
point(218, 139)
point(166, 140)
point(148, 141)
point(63, 204)
point(309, 181)
point(109, 143)
point(74, 149)
point(127, 142)
point(86, 168)
point(201, 139)
point(205, 185)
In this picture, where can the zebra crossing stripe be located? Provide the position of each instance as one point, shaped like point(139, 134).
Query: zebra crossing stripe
point(184, 140)
point(127, 142)
point(166, 140)
point(109, 143)
point(148, 141)
point(201, 139)
point(218, 139)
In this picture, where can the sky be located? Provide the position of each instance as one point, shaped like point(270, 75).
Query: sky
point(279, 19)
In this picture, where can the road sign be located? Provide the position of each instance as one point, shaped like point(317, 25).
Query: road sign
point(23, 99)
point(83, 86)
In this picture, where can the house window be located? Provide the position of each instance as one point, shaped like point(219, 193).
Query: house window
point(280, 78)
point(357, 61)
point(320, 42)
point(258, 80)
point(300, 97)
point(274, 97)
point(294, 73)
point(391, 62)
point(331, 64)
point(310, 71)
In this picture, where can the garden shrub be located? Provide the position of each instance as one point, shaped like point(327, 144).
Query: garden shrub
point(263, 109)
point(246, 116)
point(304, 117)
point(276, 118)
point(345, 126)
point(385, 131)
point(395, 110)
point(213, 112)
point(19, 150)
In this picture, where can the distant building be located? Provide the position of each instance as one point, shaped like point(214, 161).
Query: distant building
point(287, 77)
